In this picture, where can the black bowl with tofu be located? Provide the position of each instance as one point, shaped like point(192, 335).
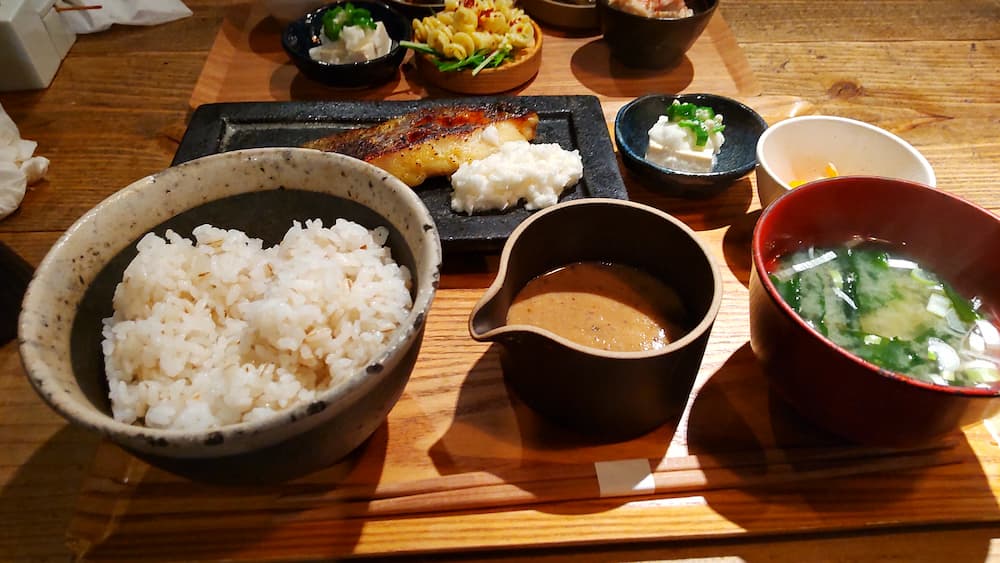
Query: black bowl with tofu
point(305, 33)
point(737, 155)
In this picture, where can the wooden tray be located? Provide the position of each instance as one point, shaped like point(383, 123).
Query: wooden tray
point(247, 64)
point(456, 419)
point(749, 466)
point(457, 422)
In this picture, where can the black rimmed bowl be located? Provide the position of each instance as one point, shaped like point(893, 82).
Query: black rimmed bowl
point(260, 192)
point(417, 9)
point(737, 157)
point(304, 34)
point(603, 395)
point(569, 15)
point(646, 42)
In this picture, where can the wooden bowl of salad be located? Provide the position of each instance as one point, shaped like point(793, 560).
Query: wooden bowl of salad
point(518, 69)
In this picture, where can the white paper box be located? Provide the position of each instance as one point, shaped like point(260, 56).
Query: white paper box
point(33, 41)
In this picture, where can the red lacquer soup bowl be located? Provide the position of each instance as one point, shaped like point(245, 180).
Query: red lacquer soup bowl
point(828, 385)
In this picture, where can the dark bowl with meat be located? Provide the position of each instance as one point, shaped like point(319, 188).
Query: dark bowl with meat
point(649, 41)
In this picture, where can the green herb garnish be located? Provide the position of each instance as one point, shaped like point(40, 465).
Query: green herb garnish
point(421, 47)
point(345, 15)
point(962, 307)
point(696, 127)
point(695, 118)
point(476, 61)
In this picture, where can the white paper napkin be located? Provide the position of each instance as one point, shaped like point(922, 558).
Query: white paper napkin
point(125, 12)
point(18, 167)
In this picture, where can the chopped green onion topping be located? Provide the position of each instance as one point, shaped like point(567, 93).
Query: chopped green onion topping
point(346, 15)
point(703, 113)
point(695, 118)
point(698, 128)
point(677, 112)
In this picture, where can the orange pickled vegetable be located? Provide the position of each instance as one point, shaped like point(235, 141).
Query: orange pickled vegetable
point(829, 172)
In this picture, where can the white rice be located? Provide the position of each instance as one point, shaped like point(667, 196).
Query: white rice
point(220, 330)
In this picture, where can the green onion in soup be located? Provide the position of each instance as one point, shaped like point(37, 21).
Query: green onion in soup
point(892, 312)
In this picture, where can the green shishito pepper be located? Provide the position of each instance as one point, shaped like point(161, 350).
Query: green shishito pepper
point(346, 15)
point(694, 117)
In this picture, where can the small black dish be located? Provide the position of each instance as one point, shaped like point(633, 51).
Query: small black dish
point(304, 33)
point(15, 273)
point(737, 157)
point(639, 41)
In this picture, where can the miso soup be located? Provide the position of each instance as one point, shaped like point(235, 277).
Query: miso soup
point(892, 312)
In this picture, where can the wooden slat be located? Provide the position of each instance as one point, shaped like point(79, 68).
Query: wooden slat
point(456, 416)
point(822, 23)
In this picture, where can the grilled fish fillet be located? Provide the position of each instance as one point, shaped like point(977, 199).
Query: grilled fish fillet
point(433, 141)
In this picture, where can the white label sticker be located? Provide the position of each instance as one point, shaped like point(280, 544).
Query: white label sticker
point(988, 423)
point(671, 502)
point(624, 477)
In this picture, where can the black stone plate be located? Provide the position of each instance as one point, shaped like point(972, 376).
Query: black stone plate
point(575, 122)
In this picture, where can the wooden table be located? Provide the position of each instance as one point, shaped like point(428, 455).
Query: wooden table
point(120, 103)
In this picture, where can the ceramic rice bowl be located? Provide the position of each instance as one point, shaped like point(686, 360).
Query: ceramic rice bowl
point(258, 191)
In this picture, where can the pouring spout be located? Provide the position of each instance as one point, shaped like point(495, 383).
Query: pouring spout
point(488, 316)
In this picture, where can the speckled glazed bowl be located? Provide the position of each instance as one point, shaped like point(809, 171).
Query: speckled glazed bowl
point(259, 191)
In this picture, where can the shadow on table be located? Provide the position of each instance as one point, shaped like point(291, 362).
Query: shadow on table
point(130, 510)
point(738, 423)
point(593, 65)
point(301, 88)
point(37, 500)
point(736, 246)
point(495, 432)
point(742, 435)
point(728, 208)
point(15, 274)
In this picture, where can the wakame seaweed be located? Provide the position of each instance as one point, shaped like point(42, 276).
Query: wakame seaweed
point(887, 310)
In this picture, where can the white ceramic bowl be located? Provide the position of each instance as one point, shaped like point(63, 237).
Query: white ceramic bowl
point(799, 148)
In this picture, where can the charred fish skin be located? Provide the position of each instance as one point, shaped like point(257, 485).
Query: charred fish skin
point(433, 141)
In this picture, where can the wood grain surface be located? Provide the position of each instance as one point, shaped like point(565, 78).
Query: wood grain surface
point(246, 63)
point(115, 112)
